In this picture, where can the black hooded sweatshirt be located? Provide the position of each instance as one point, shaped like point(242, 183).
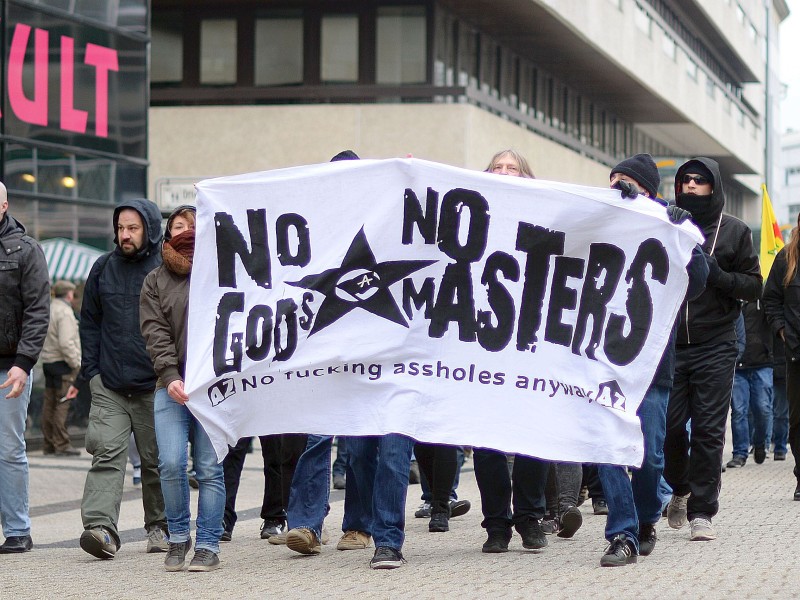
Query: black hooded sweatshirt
point(710, 316)
point(111, 340)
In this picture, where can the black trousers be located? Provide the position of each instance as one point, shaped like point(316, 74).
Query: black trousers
point(439, 465)
point(563, 487)
point(793, 398)
point(280, 454)
point(526, 483)
point(701, 392)
point(591, 479)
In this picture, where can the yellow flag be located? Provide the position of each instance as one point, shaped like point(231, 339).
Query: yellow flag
point(771, 240)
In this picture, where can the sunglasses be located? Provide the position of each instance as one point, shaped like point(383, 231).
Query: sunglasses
point(698, 179)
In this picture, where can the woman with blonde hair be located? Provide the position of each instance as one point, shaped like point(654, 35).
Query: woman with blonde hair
point(510, 162)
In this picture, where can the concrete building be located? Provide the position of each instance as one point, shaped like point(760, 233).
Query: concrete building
point(574, 85)
point(790, 179)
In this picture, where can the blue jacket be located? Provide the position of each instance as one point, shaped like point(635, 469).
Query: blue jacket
point(111, 340)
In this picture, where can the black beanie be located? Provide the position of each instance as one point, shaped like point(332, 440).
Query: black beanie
point(698, 168)
point(642, 168)
point(345, 155)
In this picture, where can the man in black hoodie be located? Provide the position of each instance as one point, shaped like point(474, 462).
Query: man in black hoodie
point(24, 315)
point(120, 373)
point(706, 351)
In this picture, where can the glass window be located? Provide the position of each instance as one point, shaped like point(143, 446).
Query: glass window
point(691, 68)
point(401, 45)
point(166, 64)
point(20, 168)
point(279, 50)
point(642, 19)
point(339, 49)
point(55, 174)
point(710, 87)
point(668, 46)
point(218, 51)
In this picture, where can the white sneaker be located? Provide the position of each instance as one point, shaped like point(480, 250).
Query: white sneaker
point(702, 530)
point(676, 511)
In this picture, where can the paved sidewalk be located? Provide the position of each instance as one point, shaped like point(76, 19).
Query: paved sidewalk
point(754, 557)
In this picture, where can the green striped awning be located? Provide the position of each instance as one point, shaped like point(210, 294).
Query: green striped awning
point(69, 260)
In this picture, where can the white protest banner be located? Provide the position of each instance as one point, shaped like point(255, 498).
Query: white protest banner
point(367, 297)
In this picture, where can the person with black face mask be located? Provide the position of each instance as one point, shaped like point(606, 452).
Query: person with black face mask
point(706, 351)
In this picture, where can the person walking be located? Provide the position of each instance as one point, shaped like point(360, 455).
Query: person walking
point(634, 503)
point(120, 373)
point(25, 310)
point(163, 311)
point(782, 306)
point(61, 361)
point(706, 351)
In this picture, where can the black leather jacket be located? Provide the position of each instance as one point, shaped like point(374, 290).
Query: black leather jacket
point(24, 297)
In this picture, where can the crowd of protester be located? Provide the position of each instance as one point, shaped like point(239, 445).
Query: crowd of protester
point(130, 349)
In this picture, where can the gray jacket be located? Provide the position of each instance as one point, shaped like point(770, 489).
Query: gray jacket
point(25, 293)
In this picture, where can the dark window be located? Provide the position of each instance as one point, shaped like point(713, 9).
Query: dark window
point(339, 49)
point(401, 40)
point(279, 50)
point(166, 64)
point(218, 51)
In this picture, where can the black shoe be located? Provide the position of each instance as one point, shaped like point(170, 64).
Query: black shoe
point(533, 537)
point(496, 542)
point(193, 483)
point(647, 538)
point(439, 522)
point(599, 506)
point(571, 521)
point(737, 462)
point(797, 491)
point(68, 452)
point(15, 544)
point(459, 508)
point(386, 558)
point(226, 536)
point(759, 454)
point(550, 526)
point(779, 456)
point(272, 527)
point(338, 482)
point(620, 552)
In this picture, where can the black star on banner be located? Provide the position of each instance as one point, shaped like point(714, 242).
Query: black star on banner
point(360, 282)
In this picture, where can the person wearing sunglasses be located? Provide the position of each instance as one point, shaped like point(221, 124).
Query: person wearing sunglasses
point(706, 351)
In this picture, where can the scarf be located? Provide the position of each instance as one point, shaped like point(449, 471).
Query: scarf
point(178, 253)
point(705, 209)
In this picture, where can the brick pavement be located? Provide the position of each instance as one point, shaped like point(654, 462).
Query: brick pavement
point(754, 557)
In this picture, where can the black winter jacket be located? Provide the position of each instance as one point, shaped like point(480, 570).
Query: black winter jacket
point(782, 305)
point(710, 316)
point(758, 338)
point(24, 297)
point(111, 340)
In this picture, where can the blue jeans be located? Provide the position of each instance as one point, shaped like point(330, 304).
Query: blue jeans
point(173, 422)
point(376, 486)
point(340, 464)
point(780, 416)
point(752, 391)
point(311, 486)
point(637, 500)
point(14, 461)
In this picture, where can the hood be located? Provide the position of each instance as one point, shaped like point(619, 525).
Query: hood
point(172, 215)
point(151, 217)
point(10, 225)
point(718, 195)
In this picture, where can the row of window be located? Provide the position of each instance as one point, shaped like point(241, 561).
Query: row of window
point(466, 57)
point(281, 43)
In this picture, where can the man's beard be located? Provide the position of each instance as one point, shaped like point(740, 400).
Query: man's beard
point(130, 249)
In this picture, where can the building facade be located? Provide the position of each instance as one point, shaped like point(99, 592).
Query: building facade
point(575, 86)
point(73, 131)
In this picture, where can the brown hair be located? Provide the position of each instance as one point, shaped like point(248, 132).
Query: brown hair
point(524, 167)
point(792, 252)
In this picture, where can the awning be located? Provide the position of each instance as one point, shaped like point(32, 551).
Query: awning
point(69, 260)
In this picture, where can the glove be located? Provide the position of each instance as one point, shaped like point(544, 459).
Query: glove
point(714, 270)
point(627, 190)
point(678, 215)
